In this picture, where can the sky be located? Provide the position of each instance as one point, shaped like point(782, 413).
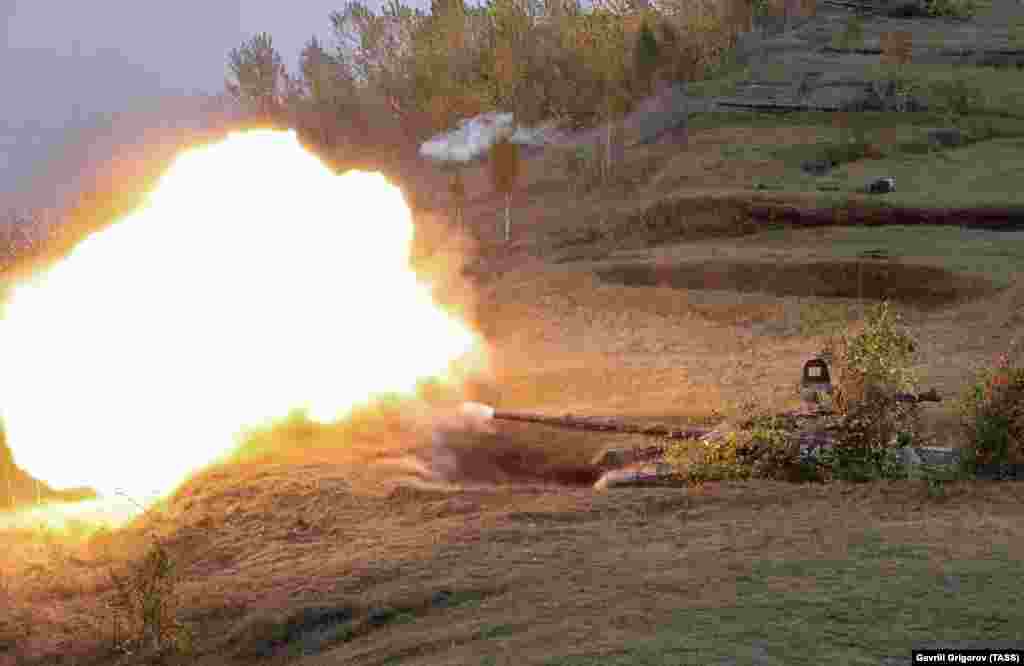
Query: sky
point(129, 54)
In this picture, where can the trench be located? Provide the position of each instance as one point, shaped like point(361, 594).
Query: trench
point(911, 284)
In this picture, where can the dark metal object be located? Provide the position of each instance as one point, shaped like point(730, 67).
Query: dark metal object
point(602, 424)
point(814, 379)
point(817, 167)
point(881, 186)
point(930, 395)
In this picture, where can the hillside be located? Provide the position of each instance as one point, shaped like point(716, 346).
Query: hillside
point(693, 283)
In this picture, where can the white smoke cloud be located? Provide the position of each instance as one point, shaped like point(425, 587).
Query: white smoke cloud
point(475, 136)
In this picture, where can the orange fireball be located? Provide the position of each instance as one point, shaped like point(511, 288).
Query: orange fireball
point(253, 282)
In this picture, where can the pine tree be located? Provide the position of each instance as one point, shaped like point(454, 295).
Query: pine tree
point(645, 57)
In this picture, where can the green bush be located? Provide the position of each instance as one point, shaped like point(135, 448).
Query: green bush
point(852, 34)
point(852, 145)
point(645, 59)
point(851, 151)
point(774, 450)
point(867, 437)
point(957, 97)
point(961, 9)
point(876, 359)
point(992, 413)
point(869, 367)
point(763, 446)
point(696, 461)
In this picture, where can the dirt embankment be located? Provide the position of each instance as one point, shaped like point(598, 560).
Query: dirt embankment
point(922, 286)
point(991, 218)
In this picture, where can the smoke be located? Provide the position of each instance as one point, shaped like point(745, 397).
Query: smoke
point(80, 178)
point(477, 415)
point(475, 136)
point(71, 158)
point(471, 417)
point(446, 428)
point(467, 447)
point(237, 295)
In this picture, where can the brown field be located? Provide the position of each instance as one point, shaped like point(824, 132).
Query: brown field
point(540, 567)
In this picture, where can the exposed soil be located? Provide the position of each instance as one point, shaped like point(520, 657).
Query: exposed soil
point(500, 459)
point(511, 453)
point(925, 286)
point(991, 218)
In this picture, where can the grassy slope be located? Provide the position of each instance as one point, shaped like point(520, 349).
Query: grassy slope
point(732, 573)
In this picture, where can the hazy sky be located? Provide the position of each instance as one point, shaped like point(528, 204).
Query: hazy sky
point(128, 52)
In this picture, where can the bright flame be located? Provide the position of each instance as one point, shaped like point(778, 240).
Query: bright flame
point(254, 282)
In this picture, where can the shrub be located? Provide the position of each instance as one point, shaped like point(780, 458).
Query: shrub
point(763, 446)
point(774, 449)
point(898, 91)
point(936, 477)
point(645, 58)
point(851, 151)
point(718, 460)
point(869, 367)
point(760, 8)
point(961, 9)
point(852, 144)
point(992, 413)
point(958, 97)
point(875, 359)
point(852, 34)
point(866, 437)
point(1017, 33)
point(146, 600)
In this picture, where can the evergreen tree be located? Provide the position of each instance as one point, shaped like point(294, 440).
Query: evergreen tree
point(259, 76)
point(645, 57)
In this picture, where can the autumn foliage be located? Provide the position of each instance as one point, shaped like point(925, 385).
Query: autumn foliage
point(425, 70)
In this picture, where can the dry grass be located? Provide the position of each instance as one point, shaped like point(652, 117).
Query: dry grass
point(553, 573)
point(538, 566)
point(545, 572)
point(542, 565)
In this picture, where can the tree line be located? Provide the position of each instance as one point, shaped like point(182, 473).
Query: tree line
point(404, 73)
